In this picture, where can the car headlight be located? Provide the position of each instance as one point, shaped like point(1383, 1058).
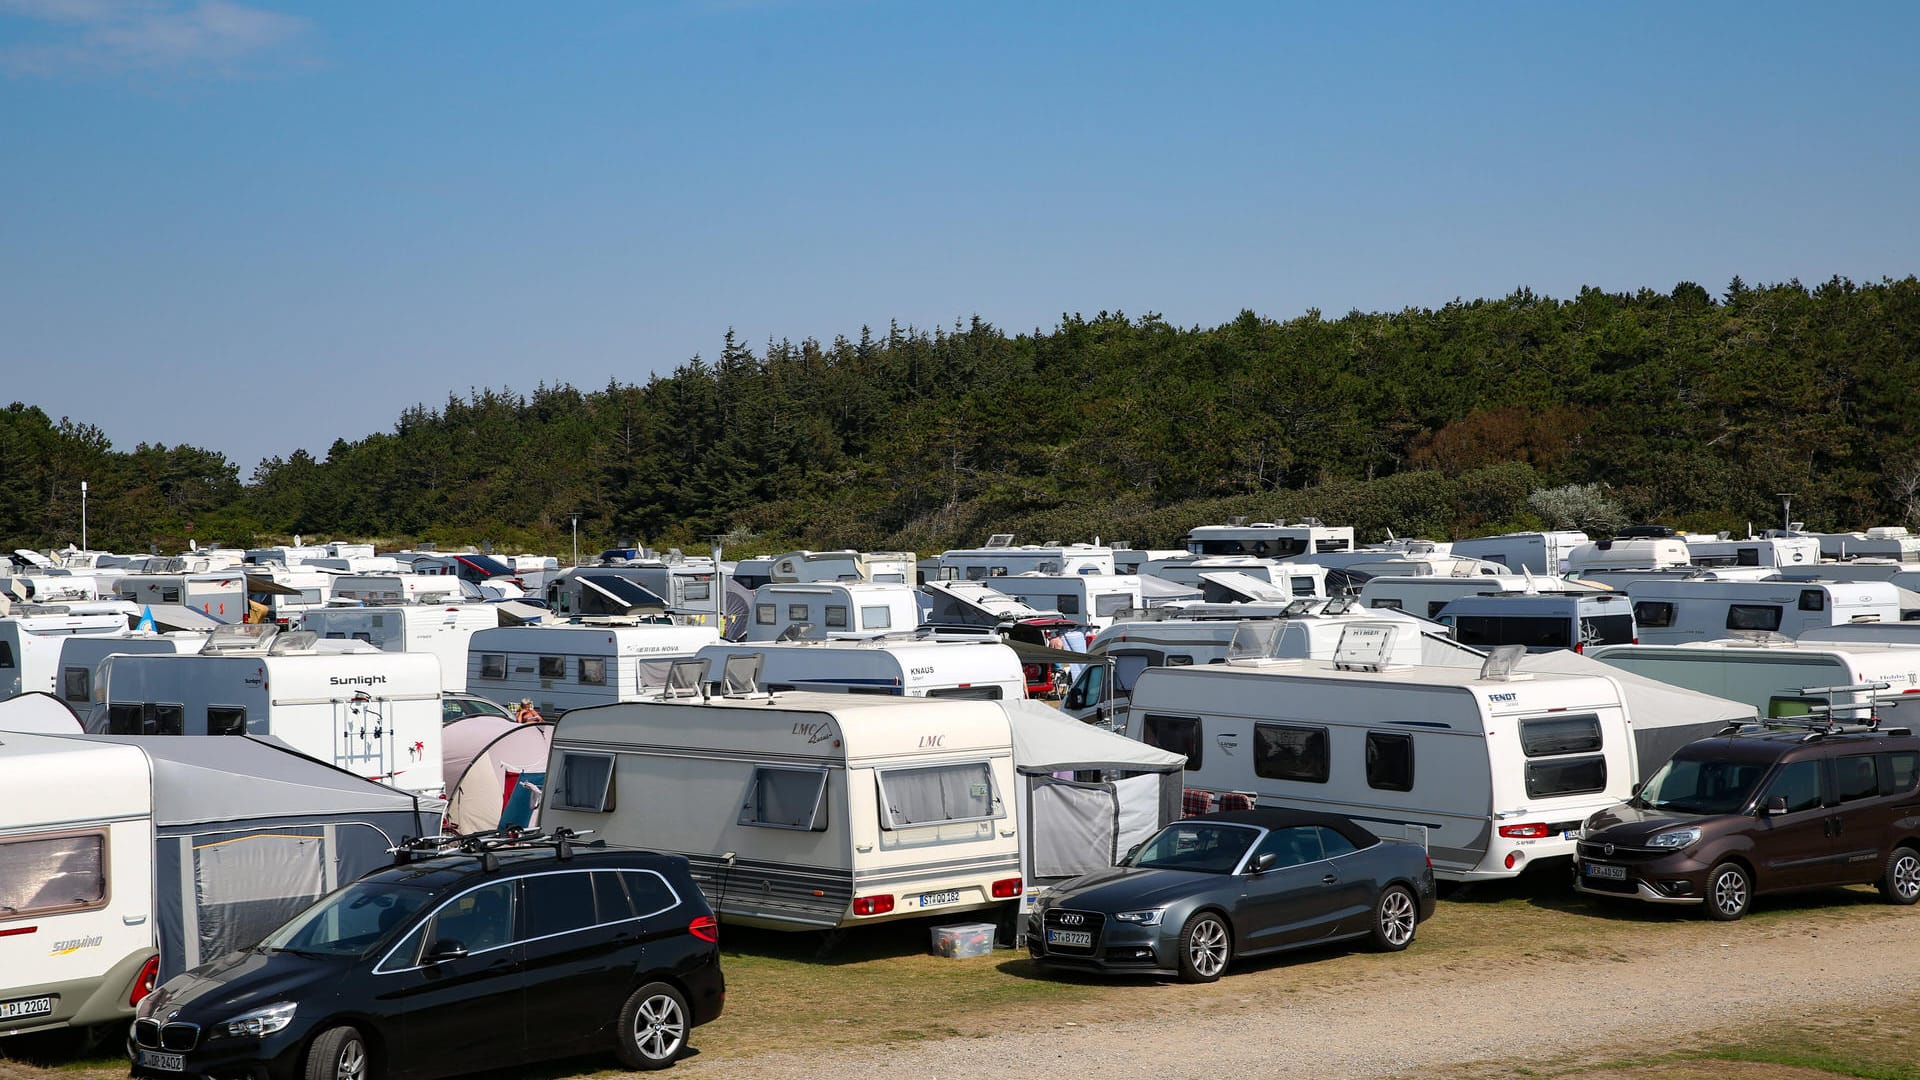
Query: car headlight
point(1674, 838)
point(1141, 918)
point(257, 1024)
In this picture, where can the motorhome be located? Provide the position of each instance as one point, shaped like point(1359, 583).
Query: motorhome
point(1130, 560)
point(1782, 552)
point(1774, 675)
point(805, 811)
point(832, 610)
point(1671, 612)
point(82, 655)
point(1541, 621)
point(439, 630)
point(1296, 579)
point(986, 670)
point(1496, 769)
point(566, 666)
point(30, 647)
point(892, 567)
point(1091, 599)
point(1633, 553)
point(128, 861)
point(1270, 540)
point(1536, 552)
point(1884, 542)
point(371, 713)
point(1426, 596)
point(1001, 558)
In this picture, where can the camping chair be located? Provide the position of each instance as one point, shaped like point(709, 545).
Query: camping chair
point(1196, 802)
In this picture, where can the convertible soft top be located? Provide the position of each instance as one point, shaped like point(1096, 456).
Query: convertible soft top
point(1283, 819)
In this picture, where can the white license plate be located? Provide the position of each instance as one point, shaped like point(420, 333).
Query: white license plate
point(1570, 834)
point(1602, 870)
point(21, 1008)
point(935, 899)
point(150, 1059)
point(1081, 938)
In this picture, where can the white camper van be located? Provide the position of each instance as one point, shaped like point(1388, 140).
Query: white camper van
point(371, 713)
point(1538, 552)
point(847, 609)
point(1270, 540)
point(1000, 558)
point(1669, 612)
point(1772, 676)
point(565, 666)
point(81, 657)
point(1497, 773)
point(1541, 621)
point(803, 811)
point(440, 630)
point(1089, 598)
point(1632, 553)
point(983, 670)
point(30, 647)
point(1781, 551)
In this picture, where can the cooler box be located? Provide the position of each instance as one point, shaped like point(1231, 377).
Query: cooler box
point(963, 939)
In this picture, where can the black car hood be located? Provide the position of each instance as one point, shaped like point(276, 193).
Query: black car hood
point(242, 981)
point(1631, 825)
point(1127, 888)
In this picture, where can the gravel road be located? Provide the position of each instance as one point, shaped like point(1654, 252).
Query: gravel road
point(1641, 998)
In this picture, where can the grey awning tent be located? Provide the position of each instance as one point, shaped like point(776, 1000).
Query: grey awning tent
point(176, 617)
point(1155, 591)
point(247, 833)
point(1085, 796)
point(1664, 717)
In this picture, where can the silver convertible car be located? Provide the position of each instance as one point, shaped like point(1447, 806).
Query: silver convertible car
point(1206, 890)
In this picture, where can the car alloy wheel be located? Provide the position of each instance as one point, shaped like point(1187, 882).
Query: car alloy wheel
point(1729, 891)
point(1902, 884)
point(653, 1027)
point(1395, 917)
point(337, 1053)
point(352, 1062)
point(1206, 947)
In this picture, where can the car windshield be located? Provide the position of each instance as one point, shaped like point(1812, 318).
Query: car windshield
point(1201, 848)
point(1701, 786)
point(350, 922)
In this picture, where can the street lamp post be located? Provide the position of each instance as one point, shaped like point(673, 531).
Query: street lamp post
point(83, 516)
point(576, 538)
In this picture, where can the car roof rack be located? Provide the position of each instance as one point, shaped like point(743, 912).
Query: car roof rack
point(1823, 720)
point(487, 844)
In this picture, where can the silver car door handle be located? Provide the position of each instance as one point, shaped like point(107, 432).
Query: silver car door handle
point(1330, 879)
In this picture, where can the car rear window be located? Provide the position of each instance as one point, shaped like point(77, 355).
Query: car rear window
point(1901, 769)
point(1856, 777)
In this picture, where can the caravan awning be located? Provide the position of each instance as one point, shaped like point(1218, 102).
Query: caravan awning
point(177, 617)
point(1030, 653)
point(1248, 586)
point(261, 583)
point(622, 593)
point(519, 613)
point(1045, 740)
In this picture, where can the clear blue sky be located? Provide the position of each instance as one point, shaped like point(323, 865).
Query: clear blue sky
point(256, 227)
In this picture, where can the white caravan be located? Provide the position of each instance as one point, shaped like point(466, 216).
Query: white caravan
point(565, 666)
point(1885, 542)
point(1425, 596)
point(1000, 558)
point(892, 567)
point(1270, 540)
point(82, 655)
point(1781, 551)
point(1634, 553)
point(1773, 676)
point(1538, 552)
point(984, 670)
point(371, 713)
point(441, 630)
point(1131, 560)
point(849, 609)
point(1671, 612)
point(1295, 579)
point(1092, 599)
point(30, 647)
point(1498, 773)
point(804, 811)
point(1541, 621)
point(398, 589)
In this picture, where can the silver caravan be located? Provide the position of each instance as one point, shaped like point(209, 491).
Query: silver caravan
point(1541, 621)
point(30, 647)
point(686, 587)
point(1270, 540)
point(1294, 579)
point(1672, 612)
point(1535, 552)
point(566, 666)
point(401, 589)
point(982, 670)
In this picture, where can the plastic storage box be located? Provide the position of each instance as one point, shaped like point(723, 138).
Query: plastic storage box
point(962, 940)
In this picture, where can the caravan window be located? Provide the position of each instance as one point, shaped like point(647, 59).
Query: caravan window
point(1606, 630)
point(1180, 734)
point(1303, 586)
point(1384, 602)
point(786, 798)
point(1111, 604)
point(836, 616)
point(1282, 752)
point(763, 614)
point(553, 667)
point(1069, 604)
point(695, 590)
point(937, 795)
point(1389, 761)
point(1549, 735)
point(170, 594)
point(586, 782)
point(593, 671)
point(1813, 600)
point(6, 654)
point(1535, 632)
point(1653, 613)
point(1566, 776)
point(124, 720)
point(1753, 617)
point(164, 719)
point(1791, 706)
point(879, 617)
point(989, 692)
point(493, 665)
point(226, 720)
point(796, 613)
point(43, 874)
point(78, 684)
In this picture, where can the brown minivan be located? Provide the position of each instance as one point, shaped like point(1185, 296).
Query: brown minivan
point(1737, 815)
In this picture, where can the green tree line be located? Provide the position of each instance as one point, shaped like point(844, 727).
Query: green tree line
point(1678, 406)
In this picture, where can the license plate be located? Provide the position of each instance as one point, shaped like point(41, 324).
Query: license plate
point(935, 899)
point(1570, 834)
point(1081, 938)
point(150, 1059)
point(21, 1008)
point(1602, 870)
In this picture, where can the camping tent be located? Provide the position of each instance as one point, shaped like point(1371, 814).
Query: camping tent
point(1085, 795)
point(494, 770)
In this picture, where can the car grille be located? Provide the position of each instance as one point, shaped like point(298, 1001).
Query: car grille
point(1089, 921)
point(1597, 851)
point(179, 1037)
point(147, 1033)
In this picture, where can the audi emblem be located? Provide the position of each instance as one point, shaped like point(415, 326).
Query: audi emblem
point(1072, 920)
point(1606, 849)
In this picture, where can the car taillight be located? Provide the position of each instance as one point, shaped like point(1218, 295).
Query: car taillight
point(873, 905)
point(144, 982)
point(706, 928)
point(1533, 831)
point(1579, 646)
point(1006, 888)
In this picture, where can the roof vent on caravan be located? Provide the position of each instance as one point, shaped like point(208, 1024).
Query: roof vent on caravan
point(1000, 540)
point(1237, 520)
point(1765, 639)
point(291, 642)
point(741, 676)
point(1253, 640)
point(685, 679)
point(1501, 662)
point(1339, 605)
point(1364, 647)
point(1886, 532)
point(240, 638)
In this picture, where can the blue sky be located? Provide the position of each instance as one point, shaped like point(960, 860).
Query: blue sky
point(255, 227)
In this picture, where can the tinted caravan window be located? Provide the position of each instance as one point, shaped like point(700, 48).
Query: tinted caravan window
point(1179, 734)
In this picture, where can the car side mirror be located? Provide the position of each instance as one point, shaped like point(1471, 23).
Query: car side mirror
point(1131, 852)
point(1776, 805)
point(445, 949)
point(1264, 862)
